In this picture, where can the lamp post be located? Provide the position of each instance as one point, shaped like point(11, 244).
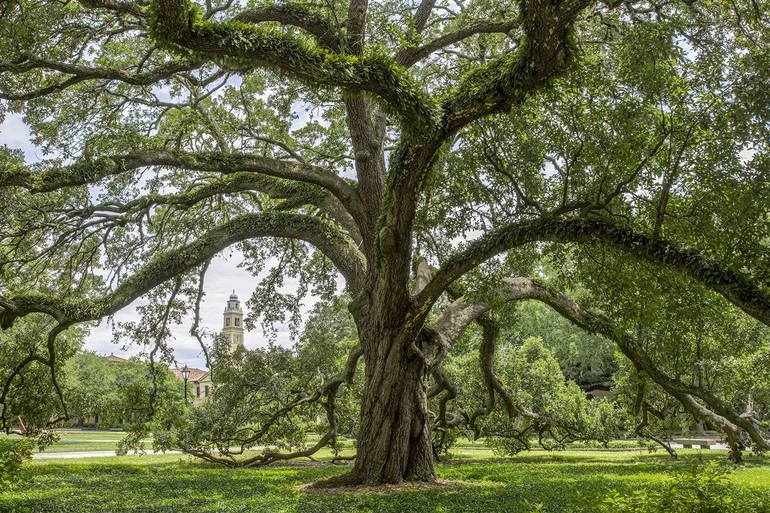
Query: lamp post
point(185, 375)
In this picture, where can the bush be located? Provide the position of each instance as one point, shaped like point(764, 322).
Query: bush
point(699, 488)
point(13, 452)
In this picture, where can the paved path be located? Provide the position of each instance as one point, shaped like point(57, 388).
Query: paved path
point(78, 440)
point(89, 454)
point(677, 445)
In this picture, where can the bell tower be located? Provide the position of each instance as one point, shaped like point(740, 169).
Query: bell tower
point(233, 322)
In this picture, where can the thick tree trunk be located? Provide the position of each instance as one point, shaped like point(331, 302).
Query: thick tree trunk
point(394, 443)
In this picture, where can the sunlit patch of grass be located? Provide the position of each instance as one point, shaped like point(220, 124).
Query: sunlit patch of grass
point(563, 482)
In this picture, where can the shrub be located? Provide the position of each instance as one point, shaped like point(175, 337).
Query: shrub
point(13, 452)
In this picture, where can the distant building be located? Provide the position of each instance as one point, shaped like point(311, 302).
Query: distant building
point(199, 380)
point(199, 383)
point(115, 359)
point(232, 328)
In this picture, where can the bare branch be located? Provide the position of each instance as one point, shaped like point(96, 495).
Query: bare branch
point(410, 56)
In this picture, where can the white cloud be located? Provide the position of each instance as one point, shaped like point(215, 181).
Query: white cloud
point(16, 134)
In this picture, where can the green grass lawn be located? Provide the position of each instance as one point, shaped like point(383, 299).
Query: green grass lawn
point(569, 481)
point(84, 441)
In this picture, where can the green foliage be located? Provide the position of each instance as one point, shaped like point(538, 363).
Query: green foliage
point(699, 488)
point(117, 393)
point(565, 482)
point(262, 397)
point(535, 381)
point(13, 453)
point(583, 358)
point(660, 127)
point(31, 402)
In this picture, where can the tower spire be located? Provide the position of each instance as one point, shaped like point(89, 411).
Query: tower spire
point(233, 322)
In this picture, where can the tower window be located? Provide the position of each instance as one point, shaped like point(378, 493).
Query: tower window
point(227, 321)
point(237, 321)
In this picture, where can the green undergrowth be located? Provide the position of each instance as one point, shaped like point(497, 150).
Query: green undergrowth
point(568, 481)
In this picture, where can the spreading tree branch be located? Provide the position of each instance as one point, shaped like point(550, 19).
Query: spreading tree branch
point(89, 171)
point(177, 24)
point(734, 286)
point(325, 236)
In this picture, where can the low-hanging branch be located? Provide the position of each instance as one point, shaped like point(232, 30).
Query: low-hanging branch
point(328, 390)
point(545, 425)
point(716, 411)
point(462, 312)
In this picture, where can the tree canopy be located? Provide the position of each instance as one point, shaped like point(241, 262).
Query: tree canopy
point(446, 159)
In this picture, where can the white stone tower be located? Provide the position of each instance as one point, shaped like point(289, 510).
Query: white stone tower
point(233, 323)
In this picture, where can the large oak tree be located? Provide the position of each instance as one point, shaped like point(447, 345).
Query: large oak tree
point(429, 153)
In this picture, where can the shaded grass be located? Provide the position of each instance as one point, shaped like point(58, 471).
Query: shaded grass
point(563, 482)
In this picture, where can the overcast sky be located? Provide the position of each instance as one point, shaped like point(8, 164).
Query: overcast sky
point(222, 278)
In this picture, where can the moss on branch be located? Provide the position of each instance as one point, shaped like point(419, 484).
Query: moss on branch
point(324, 235)
point(735, 287)
point(545, 50)
point(179, 26)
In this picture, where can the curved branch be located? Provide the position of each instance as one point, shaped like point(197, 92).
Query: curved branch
point(546, 51)
point(734, 286)
point(325, 236)
point(328, 390)
point(115, 6)
point(514, 289)
point(525, 288)
point(289, 13)
point(410, 56)
point(276, 188)
point(14, 173)
point(177, 24)
point(80, 73)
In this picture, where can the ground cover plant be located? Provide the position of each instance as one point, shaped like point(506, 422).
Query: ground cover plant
point(562, 482)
